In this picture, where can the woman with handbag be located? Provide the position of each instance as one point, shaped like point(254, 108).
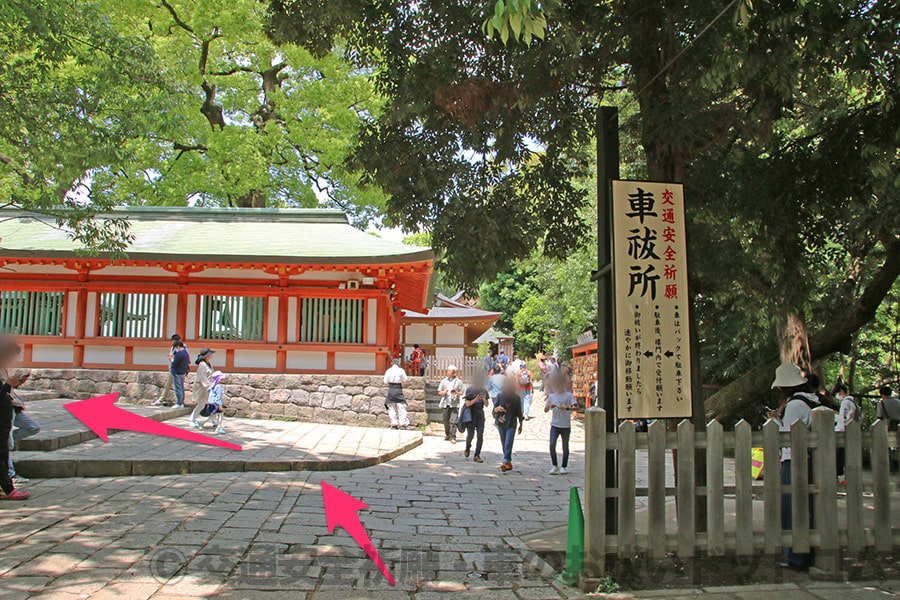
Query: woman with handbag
point(201, 383)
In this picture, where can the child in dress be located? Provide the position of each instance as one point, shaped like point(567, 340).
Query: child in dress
point(214, 408)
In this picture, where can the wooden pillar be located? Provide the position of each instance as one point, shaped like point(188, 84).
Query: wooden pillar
point(181, 315)
point(80, 326)
point(281, 354)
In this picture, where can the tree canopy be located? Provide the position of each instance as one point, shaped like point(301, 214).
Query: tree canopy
point(173, 102)
point(781, 119)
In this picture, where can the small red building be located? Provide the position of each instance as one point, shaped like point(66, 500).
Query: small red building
point(272, 290)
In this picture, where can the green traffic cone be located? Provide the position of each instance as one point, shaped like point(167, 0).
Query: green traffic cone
point(574, 541)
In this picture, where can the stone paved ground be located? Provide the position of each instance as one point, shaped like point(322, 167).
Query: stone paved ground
point(446, 527)
point(60, 429)
point(267, 446)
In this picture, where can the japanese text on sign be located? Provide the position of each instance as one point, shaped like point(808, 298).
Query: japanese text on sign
point(650, 269)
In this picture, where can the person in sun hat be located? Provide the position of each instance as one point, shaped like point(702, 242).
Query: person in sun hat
point(201, 382)
point(215, 403)
point(450, 389)
point(796, 405)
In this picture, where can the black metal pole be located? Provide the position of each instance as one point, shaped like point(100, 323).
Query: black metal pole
point(607, 171)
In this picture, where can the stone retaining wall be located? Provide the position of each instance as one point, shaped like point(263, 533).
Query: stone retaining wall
point(343, 399)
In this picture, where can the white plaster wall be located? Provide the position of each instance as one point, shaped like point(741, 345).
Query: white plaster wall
point(450, 334)
point(354, 361)
point(191, 322)
point(418, 333)
point(454, 353)
point(52, 354)
point(108, 355)
point(71, 313)
point(90, 326)
point(372, 315)
point(273, 320)
point(151, 356)
point(255, 359)
point(292, 320)
point(307, 361)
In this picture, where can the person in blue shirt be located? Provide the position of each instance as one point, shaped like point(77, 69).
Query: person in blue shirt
point(179, 368)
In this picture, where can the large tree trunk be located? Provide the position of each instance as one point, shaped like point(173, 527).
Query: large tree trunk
point(794, 341)
point(748, 394)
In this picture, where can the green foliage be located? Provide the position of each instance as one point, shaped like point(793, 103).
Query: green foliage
point(244, 122)
point(508, 293)
point(517, 20)
point(73, 90)
point(172, 102)
point(607, 586)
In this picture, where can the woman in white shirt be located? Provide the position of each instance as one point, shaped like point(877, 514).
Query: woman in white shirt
point(202, 382)
point(561, 401)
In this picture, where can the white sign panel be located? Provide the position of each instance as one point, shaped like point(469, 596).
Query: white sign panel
point(652, 329)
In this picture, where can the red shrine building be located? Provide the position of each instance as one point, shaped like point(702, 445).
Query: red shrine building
point(271, 290)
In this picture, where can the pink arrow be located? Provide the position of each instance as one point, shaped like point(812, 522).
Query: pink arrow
point(101, 414)
point(341, 509)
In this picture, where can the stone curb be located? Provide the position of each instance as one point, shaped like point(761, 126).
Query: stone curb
point(71, 438)
point(54, 469)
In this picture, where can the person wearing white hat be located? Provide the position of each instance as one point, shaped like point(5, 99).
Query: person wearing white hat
point(215, 404)
point(796, 405)
point(450, 389)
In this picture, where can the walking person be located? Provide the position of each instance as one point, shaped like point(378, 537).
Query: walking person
point(888, 408)
point(202, 382)
point(561, 401)
point(395, 403)
point(450, 389)
point(525, 385)
point(8, 351)
point(507, 415)
point(475, 399)
point(215, 403)
point(847, 413)
point(796, 406)
point(489, 364)
point(168, 384)
point(495, 383)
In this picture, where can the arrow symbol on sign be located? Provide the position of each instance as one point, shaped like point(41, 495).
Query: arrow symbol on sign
point(341, 509)
point(648, 354)
point(669, 354)
point(101, 414)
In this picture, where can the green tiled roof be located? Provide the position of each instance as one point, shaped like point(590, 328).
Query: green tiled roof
point(216, 234)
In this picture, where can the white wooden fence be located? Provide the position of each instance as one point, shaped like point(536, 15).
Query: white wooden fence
point(469, 367)
point(860, 530)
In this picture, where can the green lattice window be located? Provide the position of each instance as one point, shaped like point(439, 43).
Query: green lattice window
point(332, 320)
point(31, 313)
point(132, 315)
point(232, 317)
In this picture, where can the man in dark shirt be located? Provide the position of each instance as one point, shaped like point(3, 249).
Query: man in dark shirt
point(475, 398)
point(179, 367)
point(507, 414)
